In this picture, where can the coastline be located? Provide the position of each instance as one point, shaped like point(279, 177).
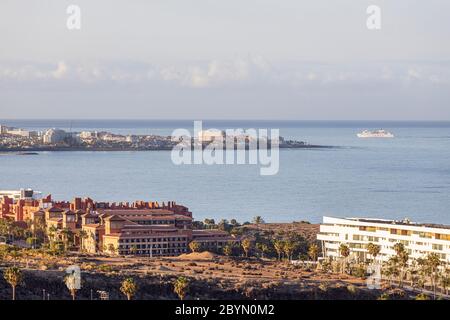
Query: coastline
point(115, 149)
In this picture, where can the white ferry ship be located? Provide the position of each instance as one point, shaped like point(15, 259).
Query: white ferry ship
point(375, 134)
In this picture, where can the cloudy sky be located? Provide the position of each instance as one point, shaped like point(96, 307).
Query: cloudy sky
point(233, 59)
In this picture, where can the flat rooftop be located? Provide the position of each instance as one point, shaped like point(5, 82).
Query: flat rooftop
point(401, 223)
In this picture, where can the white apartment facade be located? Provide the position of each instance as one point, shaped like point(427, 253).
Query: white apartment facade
point(357, 233)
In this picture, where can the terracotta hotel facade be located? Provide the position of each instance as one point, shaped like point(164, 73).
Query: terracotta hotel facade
point(139, 228)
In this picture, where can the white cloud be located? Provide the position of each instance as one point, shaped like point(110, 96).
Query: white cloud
point(249, 71)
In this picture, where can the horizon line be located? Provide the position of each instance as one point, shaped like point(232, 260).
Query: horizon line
point(216, 119)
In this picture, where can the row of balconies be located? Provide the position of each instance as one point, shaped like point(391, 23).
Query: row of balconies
point(143, 240)
point(155, 246)
point(326, 229)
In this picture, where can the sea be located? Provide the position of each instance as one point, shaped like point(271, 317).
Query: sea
point(404, 177)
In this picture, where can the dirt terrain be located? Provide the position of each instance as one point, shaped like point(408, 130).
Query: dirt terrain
point(211, 277)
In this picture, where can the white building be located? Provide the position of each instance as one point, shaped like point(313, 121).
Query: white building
point(357, 233)
point(53, 136)
point(19, 132)
point(3, 129)
point(88, 135)
point(21, 194)
point(210, 135)
point(113, 138)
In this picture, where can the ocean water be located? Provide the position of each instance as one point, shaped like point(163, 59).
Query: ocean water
point(408, 176)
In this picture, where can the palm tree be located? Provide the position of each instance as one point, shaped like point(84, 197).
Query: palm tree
point(445, 281)
point(82, 234)
point(13, 276)
point(424, 271)
point(181, 287)
point(246, 246)
point(263, 248)
point(344, 252)
point(433, 262)
point(373, 250)
point(209, 223)
point(313, 252)
point(112, 249)
point(67, 234)
point(71, 283)
point(402, 260)
point(412, 271)
point(194, 246)
point(258, 220)
point(289, 248)
point(279, 247)
point(228, 250)
point(399, 248)
point(52, 230)
point(129, 288)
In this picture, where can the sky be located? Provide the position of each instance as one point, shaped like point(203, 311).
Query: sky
point(233, 59)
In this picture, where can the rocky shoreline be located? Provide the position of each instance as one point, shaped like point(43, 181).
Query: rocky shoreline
point(35, 150)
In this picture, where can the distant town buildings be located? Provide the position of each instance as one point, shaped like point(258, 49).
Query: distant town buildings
point(356, 233)
point(17, 132)
point(14, 139)
point(211, 135)
point(53, 136)
point(26, 194)
point(58, 139)
point(139, 228)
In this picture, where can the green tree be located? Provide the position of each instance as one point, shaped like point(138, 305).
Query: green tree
point(263, 249)
point(258, 220)
point(67, 237)
point(445, 281)
point(433, 261)
point(129, 288)
point(246, 246)
point(279, 247)
point(399, 248)
point(194, 246)
point(112, 249)
point(13, 276)
point(82, 234)
point(402, 260)
point(181, 287)
point(313, 251)
point(344, 252)
point(424, 271)
point(289, 248)
point(228, 250)
point(391, 269)
point(374, 250)
point(209, 222)
point(52, 231)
